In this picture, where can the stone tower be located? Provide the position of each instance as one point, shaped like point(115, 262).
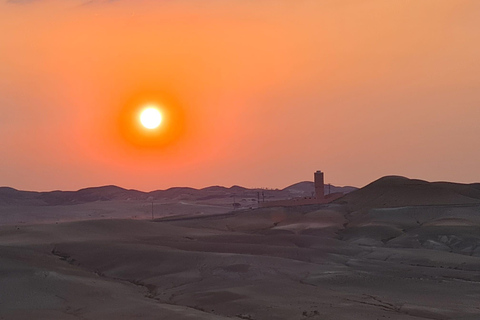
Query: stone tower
point(319, 185)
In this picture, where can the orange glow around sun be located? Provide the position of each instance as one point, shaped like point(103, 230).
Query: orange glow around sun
point(151, 121)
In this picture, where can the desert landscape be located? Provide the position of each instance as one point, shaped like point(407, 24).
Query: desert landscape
point(156, 160)
point(395, 249)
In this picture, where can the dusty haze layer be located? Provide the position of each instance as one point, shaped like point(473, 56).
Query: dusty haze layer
point(396, 249)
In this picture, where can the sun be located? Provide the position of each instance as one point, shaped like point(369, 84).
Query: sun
point(150, 122)
point(150, 117)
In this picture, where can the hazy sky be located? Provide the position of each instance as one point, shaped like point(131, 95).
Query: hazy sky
point(267, 91)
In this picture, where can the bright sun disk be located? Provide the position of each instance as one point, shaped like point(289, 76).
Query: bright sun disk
point(151, 117)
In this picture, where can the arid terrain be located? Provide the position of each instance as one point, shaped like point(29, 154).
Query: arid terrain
point(111, 202)
point(395, 249)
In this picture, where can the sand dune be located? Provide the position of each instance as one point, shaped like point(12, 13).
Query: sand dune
point(393, 191)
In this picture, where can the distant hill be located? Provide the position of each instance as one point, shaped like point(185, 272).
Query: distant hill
point(396, 191)
point(10, 196)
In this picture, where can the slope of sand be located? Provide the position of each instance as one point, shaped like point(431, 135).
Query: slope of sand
point(310, 262)
point(394, 191)
point(264, 264)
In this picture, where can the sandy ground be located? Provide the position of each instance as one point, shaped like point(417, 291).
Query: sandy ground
point(119, 209)
point(277, 263)
point(112, 202)
point(414, 261)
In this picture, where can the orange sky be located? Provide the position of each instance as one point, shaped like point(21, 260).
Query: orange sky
point(268, 91)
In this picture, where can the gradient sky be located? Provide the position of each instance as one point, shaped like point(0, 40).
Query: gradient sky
point(269, 91)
